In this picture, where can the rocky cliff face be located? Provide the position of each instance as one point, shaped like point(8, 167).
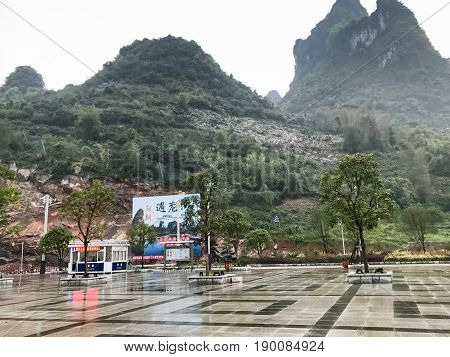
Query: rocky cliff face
point(308, 52)
point(383, 62)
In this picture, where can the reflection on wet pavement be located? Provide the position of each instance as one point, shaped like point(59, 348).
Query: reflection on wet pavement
point(297, 302)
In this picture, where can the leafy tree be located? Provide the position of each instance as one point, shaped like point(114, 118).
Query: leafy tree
point(419, 175)
point(258, 241)
point(88, 124)
point(320, 222)
point(87, 208)
point(234, 225)
point(419, 221)
point(206, 183)
point(140, 235)
point(23, 78)
point(356, 194)
point(8, 195)
point(402, 191)
point(361, 133)
point(56, 241)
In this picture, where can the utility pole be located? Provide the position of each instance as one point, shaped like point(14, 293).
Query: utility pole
point(47, 200)
point(137, 169)
point(21, 260)
point(178, 219)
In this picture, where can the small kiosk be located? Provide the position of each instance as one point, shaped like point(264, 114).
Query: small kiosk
point(104, 257)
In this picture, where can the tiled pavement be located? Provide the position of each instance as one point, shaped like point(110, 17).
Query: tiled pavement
point(302, 302)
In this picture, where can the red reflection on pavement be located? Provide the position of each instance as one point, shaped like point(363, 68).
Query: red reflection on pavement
point(85, 303)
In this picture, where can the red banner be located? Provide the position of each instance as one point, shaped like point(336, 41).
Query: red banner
point(183, 238)
point(148, 257)
point(90, 248)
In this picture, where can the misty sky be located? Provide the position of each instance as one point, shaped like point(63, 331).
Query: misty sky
point(253, 39)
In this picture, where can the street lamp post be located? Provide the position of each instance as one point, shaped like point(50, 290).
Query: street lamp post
point(342, 235)
point(47, 200)
point(21, 258)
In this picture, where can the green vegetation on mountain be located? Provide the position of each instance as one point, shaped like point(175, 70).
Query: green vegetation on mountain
point(173, 72)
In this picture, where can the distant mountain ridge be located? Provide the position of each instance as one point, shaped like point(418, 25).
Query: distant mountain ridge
point(400, 76)
point(273, 97)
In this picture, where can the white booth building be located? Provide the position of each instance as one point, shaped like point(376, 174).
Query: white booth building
point(104, 257)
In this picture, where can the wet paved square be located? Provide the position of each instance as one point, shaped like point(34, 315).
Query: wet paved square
point(313, 302)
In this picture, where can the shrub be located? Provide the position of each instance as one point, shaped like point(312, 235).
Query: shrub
point(414, 257)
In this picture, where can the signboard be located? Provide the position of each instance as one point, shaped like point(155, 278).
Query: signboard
point(90, 248)
point(161, 211)
point(178, 254)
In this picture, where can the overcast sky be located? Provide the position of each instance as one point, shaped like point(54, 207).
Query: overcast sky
point(253, 39)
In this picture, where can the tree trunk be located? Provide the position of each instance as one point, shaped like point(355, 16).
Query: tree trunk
point(325, 245)
point(86, 259)
point(423, 244)
point(236, 250)
point(363, 250)
point(208, 259)
point(259, 250)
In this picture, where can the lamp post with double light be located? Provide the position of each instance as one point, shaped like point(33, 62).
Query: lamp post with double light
point(47, 200)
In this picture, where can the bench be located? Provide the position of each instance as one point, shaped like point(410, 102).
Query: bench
point(212, 279)
point(370, 278)
point(84, 281)
point(6, 281)
point(233, 268)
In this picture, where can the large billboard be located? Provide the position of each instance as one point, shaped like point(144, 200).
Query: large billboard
point(162, 212)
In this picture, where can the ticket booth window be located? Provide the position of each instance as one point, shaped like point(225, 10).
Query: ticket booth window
point(108, 254)
point(92, 257)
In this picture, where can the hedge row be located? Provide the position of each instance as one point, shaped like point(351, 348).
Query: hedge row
point(410, 257)
point(372, 258)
